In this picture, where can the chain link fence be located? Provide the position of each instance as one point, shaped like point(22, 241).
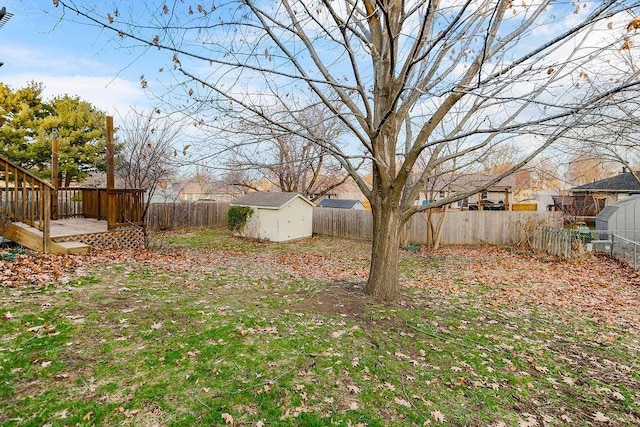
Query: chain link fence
point(619, 247)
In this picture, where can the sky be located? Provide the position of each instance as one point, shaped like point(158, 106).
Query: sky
point(68, 58)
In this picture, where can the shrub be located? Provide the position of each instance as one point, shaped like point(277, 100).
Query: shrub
point(237, 217)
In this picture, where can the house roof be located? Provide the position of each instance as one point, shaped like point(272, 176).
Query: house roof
point(339, 203)
point(621, 183)
point(268, 200)
point(465, 182)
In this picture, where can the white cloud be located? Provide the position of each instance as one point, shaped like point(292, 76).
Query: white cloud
point(109, 94)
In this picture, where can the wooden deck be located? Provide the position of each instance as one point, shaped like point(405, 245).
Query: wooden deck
point(76, 226)
point(96, 233)
point(77, 235)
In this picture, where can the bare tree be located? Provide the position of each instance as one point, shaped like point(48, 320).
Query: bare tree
point(501, 159)
point(610, 143)
point(475, 74)
point(291, 161)
point(587, 167)
point(547, 174)
point(145, 152)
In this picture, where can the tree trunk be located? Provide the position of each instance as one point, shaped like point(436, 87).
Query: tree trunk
point(383, 280)
point(438, 228)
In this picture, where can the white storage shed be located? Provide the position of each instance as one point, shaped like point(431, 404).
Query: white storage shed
point(277, 217)
point(622, 218)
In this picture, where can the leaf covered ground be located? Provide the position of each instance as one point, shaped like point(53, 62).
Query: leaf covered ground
point(207, 329)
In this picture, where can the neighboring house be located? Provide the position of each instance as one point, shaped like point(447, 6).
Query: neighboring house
point(165, 195)
point(499, 194)
point(341, 204)
point(612, 189)
point(211, 192)
point(588, 200)
point(277, 217)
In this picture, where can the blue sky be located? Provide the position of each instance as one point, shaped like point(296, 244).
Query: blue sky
point(68, 58)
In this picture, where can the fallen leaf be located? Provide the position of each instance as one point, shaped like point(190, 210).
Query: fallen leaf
point(530, 420)
point(617, 395)
point(438, 416)
point(402, 402)
point(87, 416)
point(337, 334)
point(228, 419)
point(62, 414)
point(156, 325)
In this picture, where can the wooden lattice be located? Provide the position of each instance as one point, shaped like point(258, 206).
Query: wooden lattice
point(129, 238)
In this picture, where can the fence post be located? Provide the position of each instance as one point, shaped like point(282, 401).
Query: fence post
point(612, 243)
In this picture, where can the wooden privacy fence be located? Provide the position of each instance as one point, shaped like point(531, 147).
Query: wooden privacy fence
point(170, 216)
point(460, 227)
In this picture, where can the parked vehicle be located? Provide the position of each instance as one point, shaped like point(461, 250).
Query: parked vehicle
point(487, 205)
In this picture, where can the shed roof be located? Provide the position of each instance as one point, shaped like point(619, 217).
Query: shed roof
point(621, 183)
point(268, 200)
point(339, 203)
point(609, 210)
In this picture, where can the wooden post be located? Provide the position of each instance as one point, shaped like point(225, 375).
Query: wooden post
point(54, 173)
point(111, 205)
point(46, 217)
point(110, 155)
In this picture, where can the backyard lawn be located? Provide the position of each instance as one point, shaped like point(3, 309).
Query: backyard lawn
point(208, 329)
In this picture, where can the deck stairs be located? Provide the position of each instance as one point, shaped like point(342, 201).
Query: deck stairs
point(25, 202)
point(32, 238)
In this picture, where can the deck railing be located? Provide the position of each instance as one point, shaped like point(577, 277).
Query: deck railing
point(119, 207)
point(126, 208)
point(25, 198)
